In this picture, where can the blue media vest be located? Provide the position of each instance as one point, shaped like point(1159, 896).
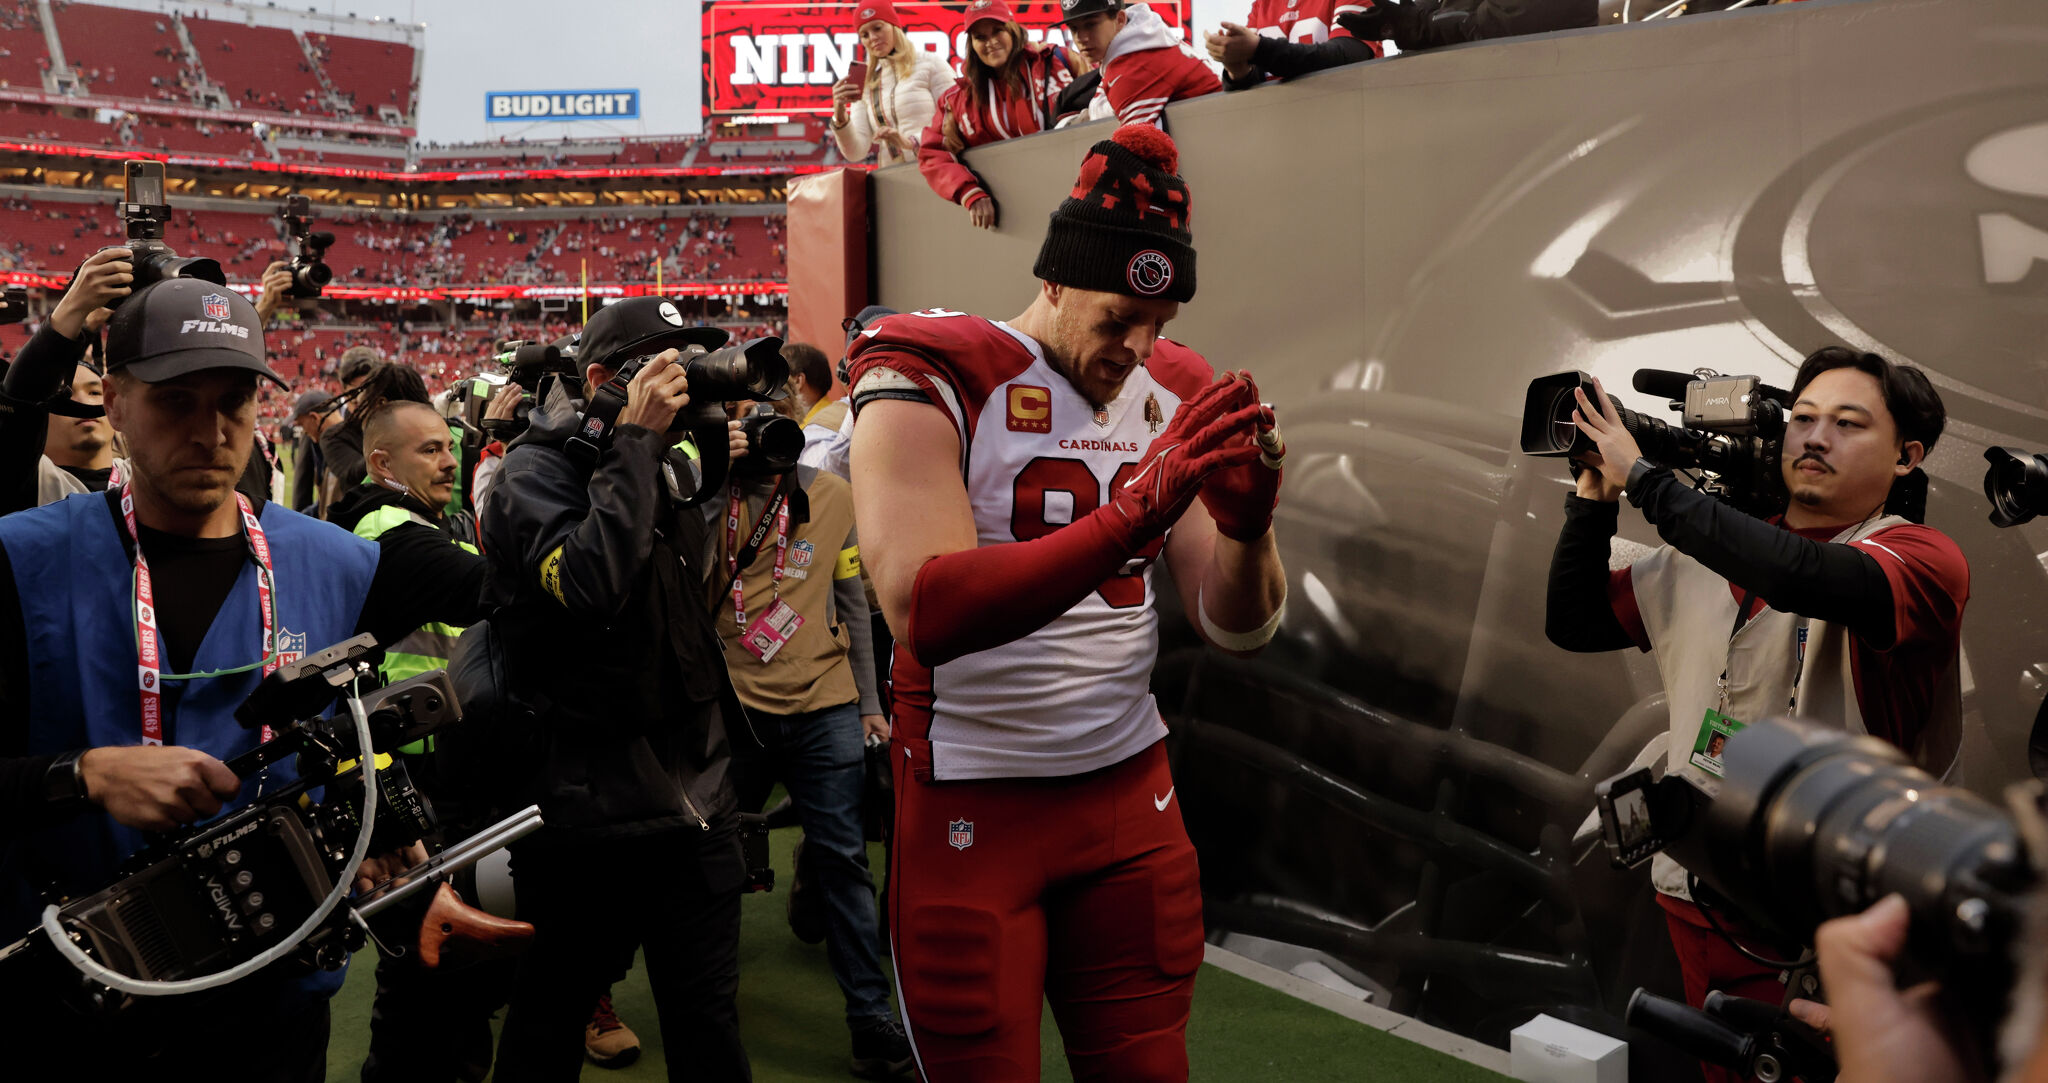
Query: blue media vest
point(77, 605)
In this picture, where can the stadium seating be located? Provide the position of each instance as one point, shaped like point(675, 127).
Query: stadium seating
point(375, 74)
point(23, 52)
point(122, 44)
point(260, 67)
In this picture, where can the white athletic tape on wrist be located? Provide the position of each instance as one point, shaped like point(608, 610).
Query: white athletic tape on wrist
point(1239, 641)
point(1272, 449)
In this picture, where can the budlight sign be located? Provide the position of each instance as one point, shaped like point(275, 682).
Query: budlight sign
point(544, 105)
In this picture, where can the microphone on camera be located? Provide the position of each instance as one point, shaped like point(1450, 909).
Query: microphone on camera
point(1663, 383)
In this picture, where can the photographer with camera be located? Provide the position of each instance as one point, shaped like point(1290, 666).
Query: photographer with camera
point(794, 622)
point(1835, 610)
point(172, 570)
point(622, 719)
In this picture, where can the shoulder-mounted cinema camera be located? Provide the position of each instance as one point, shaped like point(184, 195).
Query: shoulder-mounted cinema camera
point(209, 904)
point(1731, 429)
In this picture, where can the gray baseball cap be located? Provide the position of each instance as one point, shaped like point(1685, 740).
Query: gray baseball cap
point(309, 402)
point(185, 325)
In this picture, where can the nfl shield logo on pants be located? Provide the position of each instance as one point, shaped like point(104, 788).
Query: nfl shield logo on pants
point(960, 833)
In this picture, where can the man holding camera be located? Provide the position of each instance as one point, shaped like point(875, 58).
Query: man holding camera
point(1840, 609)
point(625, 715)
point(794, 621)
point(156, 610)
point(1015, 483)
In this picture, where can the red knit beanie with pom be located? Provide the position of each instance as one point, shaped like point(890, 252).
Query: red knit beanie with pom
point(1125, 227)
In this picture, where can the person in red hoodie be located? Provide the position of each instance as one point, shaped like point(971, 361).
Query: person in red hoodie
point(1009, 86)
point(1145, 63)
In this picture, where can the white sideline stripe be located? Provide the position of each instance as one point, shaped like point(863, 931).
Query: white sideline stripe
point(902, 1005)
point(1401, 1026)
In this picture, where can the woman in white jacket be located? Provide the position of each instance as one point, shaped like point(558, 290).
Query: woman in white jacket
point(902, 91)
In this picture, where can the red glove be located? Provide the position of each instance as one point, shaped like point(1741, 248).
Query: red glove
point(1242, 498)
point(1206, 436)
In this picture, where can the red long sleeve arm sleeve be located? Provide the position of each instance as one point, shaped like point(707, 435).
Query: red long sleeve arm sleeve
point(976, 599)
point(942, 169)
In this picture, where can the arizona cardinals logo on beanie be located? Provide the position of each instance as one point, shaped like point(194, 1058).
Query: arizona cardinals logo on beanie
point(1124, 229)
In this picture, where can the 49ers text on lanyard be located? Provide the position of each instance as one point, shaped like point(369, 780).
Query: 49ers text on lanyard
point(149, 643)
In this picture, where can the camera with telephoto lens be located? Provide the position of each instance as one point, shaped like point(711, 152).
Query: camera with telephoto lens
point(1812, 823)
point(1731, 429)
point(145, 211)
point(2016, 483)
point(751, 371)
point(216, 895)
point(773, 444)
point(310, 273)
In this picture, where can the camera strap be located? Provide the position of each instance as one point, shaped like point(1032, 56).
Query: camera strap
point(600, 418)
point(148, 642)
point(737, 560)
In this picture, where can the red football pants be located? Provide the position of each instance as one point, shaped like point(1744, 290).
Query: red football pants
point(1081, 891)
point(1708, 963)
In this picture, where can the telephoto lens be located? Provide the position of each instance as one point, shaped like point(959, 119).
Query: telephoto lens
point(752, 370)
point(773, 444)
point(2016, 483)
point(1814, 823)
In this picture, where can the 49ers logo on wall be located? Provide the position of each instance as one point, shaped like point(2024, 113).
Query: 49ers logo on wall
point(1150, 273)
point(769, 57)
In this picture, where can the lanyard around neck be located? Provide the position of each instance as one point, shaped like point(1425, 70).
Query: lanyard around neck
point(149, 641)
point(776, 512)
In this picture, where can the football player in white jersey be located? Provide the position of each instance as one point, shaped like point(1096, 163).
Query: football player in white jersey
point(1014, 483)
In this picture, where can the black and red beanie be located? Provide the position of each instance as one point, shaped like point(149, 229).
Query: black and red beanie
point(1124, 229)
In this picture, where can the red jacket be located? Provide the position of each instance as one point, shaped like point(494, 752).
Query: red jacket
point(1149, 65)
point(1002, 114)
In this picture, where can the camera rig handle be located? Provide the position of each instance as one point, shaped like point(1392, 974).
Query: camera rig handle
point(1744, 1035)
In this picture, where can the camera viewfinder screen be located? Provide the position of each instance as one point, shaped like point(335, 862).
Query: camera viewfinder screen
point(1631, 819)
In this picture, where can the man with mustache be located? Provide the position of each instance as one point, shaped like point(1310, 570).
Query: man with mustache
point(1842, 609)
point(132, 625)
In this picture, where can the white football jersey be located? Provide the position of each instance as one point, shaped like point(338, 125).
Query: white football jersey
point(1074, 696)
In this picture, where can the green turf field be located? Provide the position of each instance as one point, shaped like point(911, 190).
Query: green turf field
point(793, 1019)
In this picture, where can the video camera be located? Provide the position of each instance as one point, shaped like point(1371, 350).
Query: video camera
point(310, 273)
point(1731, 429)
point(1812, 823)
point(534, 366)
point(145, 211)
point(212, 903)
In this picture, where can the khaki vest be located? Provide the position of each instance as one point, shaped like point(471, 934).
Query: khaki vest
point(1688, 611)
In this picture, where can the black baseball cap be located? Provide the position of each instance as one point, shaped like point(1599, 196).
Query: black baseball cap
point(184, 325)
point(638, 326)
point(1077, 9)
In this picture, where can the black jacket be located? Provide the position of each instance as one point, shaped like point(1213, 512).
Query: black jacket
point(308, 464)
point(598, 609)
